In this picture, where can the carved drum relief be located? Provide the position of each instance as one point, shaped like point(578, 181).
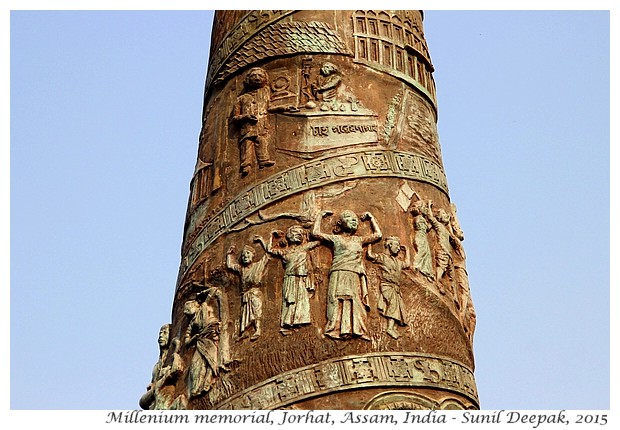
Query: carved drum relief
point(321, 251)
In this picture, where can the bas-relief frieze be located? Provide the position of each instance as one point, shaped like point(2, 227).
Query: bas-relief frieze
point(357, 372)
point(325, 115)
point(316, 173)
point(442, 263)
point(345, 317)
point(303, 107)
point(386, 40)
point(331, 117)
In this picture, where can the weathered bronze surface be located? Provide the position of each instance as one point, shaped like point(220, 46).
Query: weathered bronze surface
point(322, 264)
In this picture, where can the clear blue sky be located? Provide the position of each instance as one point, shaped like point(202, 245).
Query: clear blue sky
point(105, 115)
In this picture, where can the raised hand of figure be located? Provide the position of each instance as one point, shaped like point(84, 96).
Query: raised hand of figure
point(366, 216)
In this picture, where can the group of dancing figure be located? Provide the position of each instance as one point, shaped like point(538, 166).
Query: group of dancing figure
point(347, 302)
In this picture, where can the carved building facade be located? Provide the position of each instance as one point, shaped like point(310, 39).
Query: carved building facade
point(322, 264)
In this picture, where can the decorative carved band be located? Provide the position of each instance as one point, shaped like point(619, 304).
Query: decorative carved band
point(281, 39)
point(244, 30)
point(357, 372)
point(316, 173)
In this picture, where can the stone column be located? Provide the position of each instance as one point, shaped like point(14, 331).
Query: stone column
point(322, 265)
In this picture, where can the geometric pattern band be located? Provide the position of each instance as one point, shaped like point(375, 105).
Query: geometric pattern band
point(354, 372)
point(245, 29)
point(312, 174)
point(280, 40)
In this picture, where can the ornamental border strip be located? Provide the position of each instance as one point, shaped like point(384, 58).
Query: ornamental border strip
point(316, 173)
point(404, 369)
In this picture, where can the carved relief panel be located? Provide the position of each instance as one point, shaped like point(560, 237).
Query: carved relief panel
point(321, 252)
